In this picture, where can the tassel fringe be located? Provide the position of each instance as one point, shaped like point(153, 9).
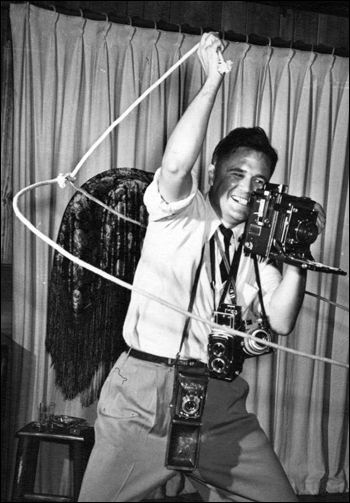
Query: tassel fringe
point(86, 312)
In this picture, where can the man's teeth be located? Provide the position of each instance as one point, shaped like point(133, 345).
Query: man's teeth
point(240, 200)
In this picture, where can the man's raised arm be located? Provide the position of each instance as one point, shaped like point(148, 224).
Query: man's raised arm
point(185, 142)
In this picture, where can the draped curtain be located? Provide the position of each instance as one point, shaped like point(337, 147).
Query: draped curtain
point(72, 78)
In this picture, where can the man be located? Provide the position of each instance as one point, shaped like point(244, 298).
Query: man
point(236, 461)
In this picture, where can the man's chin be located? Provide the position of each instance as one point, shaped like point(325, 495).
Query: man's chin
point(239, 212)
point(233, 221)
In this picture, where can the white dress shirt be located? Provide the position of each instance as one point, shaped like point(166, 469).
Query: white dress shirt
point(170, 256)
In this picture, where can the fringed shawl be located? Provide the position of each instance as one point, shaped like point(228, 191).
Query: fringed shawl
point(85, 311)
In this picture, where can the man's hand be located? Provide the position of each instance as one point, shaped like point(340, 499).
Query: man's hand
point(288, 297)
point(321, 217)
point(208, 54)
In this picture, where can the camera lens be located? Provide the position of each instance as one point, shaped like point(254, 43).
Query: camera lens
point(254, 348)
point(218, 365)
point(260, 334)
point(306, 232)
point(218, 349)
point(190, 406)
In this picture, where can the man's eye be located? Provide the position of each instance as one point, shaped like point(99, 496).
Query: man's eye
point(259, 183)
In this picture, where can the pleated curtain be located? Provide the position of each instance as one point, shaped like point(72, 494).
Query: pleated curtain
point(72, 78)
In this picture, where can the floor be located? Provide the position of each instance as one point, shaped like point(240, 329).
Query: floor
point(329, 498)
point(321, 498)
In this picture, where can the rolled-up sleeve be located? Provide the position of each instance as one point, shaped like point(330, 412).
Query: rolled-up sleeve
point(158, 208)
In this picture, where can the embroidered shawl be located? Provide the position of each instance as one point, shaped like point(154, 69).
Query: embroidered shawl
point(85, 311)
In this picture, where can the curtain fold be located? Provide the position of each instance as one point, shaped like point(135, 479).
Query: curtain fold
point(6, 151)
point(72, 78)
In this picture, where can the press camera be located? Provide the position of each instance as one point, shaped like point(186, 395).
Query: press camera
point(283, 227)
point(226, 352)
point(190, 389)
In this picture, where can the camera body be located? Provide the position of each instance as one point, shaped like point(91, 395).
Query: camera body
point(281, 226)
point(227, 352)
point(225, 355)
point(190, 389)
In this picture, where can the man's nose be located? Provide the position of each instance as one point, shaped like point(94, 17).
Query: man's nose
point(246, 185)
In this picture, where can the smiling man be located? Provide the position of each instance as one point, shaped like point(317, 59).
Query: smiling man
point(237, 175)
point(236, 460)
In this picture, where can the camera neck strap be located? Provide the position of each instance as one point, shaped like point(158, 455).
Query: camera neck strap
point(257, 276)
point(232, 269)
point(232, 276)
point(190, 305)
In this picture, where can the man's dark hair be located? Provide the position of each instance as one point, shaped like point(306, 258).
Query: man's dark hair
point(254, 138)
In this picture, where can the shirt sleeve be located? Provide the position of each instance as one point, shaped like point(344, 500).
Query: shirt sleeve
point(158, 208)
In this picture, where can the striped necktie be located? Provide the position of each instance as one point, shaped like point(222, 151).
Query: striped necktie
point(227, 233)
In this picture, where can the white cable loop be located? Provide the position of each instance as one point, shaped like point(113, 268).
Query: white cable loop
point(61, 180)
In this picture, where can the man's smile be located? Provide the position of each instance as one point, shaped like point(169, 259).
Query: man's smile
point(240, 200)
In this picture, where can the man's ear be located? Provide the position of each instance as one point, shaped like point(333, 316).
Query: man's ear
point(211, 174)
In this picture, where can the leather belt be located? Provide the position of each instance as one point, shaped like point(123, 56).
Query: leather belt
point(170, 362)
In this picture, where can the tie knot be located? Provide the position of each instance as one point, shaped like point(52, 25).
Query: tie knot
point(227, 233)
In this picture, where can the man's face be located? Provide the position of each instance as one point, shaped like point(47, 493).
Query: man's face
point(235, 179)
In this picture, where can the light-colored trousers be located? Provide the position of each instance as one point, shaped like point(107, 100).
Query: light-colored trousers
point(236, 461)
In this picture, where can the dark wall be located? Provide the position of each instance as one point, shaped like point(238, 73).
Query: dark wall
point(324, 23)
